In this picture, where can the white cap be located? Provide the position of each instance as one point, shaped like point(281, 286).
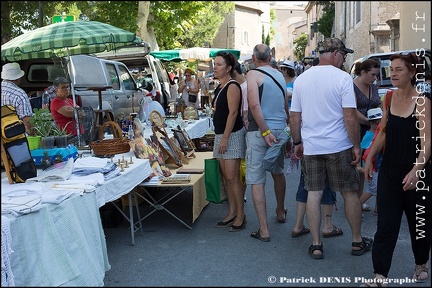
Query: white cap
point(288, 64)
point(11, 71)
point(375, 113)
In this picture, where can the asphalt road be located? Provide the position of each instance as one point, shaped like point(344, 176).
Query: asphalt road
point(169, 254)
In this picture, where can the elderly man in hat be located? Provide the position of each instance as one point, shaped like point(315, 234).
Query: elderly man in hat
point(325, 133)
point(13, 95)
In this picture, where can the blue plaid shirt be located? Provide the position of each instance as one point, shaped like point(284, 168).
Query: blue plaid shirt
point(14, 96)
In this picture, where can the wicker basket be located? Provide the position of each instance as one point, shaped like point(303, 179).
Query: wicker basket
point(109, 147)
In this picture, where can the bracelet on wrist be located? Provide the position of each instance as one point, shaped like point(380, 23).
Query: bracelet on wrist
point(264, 134)
point(297, 143)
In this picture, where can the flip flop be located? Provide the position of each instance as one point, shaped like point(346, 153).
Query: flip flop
point(257, 235)
point(304, 231)
point(335, 232)
point(418, 270)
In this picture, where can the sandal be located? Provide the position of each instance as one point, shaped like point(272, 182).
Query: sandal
point(281, 220)
point(304, 231)
point(364, 246)
point(376, 283)
point(257, 235)
point(313, 248)
point(223, 224)
point(419, 269)
point(335, 232)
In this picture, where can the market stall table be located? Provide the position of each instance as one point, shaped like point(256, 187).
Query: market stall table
point(172, 190)
point(64, 244)
point(58, 245)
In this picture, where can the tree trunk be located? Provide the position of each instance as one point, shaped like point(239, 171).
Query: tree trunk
point(146, 32)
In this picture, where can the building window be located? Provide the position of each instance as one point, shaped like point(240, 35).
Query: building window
point(245, 38)
point(357, 12)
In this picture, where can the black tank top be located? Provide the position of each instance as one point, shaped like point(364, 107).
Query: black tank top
point(401, 141)
point(221, 113)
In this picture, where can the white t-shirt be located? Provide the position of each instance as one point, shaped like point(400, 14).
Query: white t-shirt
point(320, 94)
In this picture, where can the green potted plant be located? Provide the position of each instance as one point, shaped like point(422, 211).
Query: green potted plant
point(43, 126)
point(61, 136)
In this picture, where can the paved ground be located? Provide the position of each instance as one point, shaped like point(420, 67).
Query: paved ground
point(169, 254)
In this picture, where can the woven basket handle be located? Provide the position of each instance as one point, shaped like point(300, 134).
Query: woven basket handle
point(115, 129)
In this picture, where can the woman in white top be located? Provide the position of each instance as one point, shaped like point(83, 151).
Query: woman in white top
point(189, 87)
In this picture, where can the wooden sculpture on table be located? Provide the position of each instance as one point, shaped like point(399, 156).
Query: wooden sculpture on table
point(169, 148)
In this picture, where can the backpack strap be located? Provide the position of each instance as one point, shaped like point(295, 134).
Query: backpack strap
point(280, 87)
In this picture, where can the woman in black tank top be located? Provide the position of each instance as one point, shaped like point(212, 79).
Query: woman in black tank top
point(405, 172)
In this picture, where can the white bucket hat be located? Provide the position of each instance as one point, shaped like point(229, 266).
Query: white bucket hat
point(288, 64)
point(375, 113)
point(11, 71)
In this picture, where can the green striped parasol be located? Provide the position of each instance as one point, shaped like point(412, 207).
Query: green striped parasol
point(191, 54)
point(65, 39)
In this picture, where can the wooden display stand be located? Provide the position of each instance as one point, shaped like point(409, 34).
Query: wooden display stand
point(98, 119)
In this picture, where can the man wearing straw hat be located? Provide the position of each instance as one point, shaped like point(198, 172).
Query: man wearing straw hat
point(13, 95)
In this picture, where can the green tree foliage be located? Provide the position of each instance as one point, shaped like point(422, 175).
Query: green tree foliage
point(175, 23)
point(192, 23)
point(20, 16)
point(267, 40)
point(325, 23)
point(300, 44)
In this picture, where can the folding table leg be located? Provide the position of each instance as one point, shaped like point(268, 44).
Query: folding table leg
point(161, 206)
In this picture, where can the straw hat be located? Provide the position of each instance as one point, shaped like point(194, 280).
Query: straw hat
point(11, 71)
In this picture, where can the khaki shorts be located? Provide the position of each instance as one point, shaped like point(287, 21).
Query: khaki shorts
point(341, 174)
point(256, 149)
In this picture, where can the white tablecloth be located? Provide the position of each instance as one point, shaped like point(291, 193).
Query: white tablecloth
point(59, 245)
point(64, 244)
point(115, 188)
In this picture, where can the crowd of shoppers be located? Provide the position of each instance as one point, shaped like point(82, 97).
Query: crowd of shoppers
point(252, 112)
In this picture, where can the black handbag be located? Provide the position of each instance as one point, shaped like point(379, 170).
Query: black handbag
point(192, 98)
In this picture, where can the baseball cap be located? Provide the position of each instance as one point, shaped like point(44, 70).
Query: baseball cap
point(288, 64)
point(374, 113)
point(11, 71)
point(332, 44)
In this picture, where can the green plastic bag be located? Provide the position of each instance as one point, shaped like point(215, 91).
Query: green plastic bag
point(215, 185)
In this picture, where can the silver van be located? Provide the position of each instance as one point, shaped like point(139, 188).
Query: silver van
point(85, 73)
point(155, 76)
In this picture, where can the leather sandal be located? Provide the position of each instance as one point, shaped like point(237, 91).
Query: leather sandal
point(234, 228)
point(418, 270)
point(364, 246)
point(223, 224)
point(313, 248)
point(284, 219)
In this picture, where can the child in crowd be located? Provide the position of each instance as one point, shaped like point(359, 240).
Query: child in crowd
point(374, 117)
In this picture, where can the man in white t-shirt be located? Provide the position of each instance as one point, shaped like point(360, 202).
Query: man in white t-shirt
point(325, 133)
